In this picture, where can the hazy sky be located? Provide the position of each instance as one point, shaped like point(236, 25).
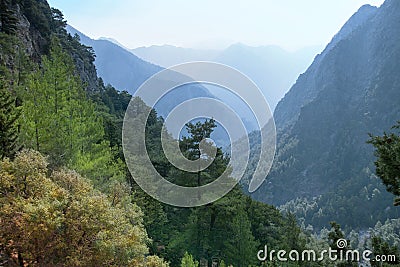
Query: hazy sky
point(211, 23)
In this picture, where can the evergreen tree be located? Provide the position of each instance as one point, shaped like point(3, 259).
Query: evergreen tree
point(293, 233)
point(8, 18)
point(240, 244)
point(190, 145)
point(381, 247)
point(334, 235)
point(220, 230)
point(59, 120)
point(387, 150)
point(9, 114)
point(337, 241)
point(188, 261)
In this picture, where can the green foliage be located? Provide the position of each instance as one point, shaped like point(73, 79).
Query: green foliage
point(334, 235)
point(72, 118)
point(9, 114)
point(293, 235)
point(190, 146)
point(60, 121)
point(388, 159)
point(155, 261)
point(48, 104)
point(197, 132)
point(232, 229)
point(319, 211)
point(188, 261)
point(381, 247)
point(61, 220)
point(239, 243)
point(112, 105)
point(389, 231)
point(58, 22)
point(8, 19)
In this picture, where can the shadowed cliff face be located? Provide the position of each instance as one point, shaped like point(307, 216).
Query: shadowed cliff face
point(350, 90)
point(31, 25)
point(310, 83)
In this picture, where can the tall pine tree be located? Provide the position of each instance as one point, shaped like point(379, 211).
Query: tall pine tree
point(60, 121)
point(9, 114)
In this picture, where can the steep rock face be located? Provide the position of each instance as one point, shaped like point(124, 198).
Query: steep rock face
point(351, 89)
point(87, 70)
point(18, 19)
point(31, 25)
point(309, 84)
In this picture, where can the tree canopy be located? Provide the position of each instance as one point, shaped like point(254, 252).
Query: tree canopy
point(387, 151)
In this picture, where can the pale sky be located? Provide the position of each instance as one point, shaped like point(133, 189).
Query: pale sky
point(291, 24)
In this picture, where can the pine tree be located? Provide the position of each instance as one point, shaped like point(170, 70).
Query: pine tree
point(337, 241)
point(293, 233)
point(381, 247)
point(8, 18)
point(388, 160)
point(60, 121)
point(219, 230)
point(9, 114)
point(240, 243)
point(334, 235)
point(191, 145)
point(188, 261)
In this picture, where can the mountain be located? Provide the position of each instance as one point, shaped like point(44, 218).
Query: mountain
point(125, 71)
point(272, 68)
point(169, 55)
point(112, 40)
point(351, 89)
point(309, 84)
point(117, 66)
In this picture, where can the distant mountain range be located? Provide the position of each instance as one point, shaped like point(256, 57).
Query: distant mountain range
point(125, 71)
point(169, 55)
point(272, 68)
point(117, 66)
point(324, 169)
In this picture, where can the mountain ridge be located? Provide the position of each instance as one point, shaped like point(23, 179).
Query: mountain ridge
point(296, 98)
point(323, 122)
point(117, 66)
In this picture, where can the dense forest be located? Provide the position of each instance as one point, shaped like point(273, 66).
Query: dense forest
point(67, 197)
point(351, 89)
